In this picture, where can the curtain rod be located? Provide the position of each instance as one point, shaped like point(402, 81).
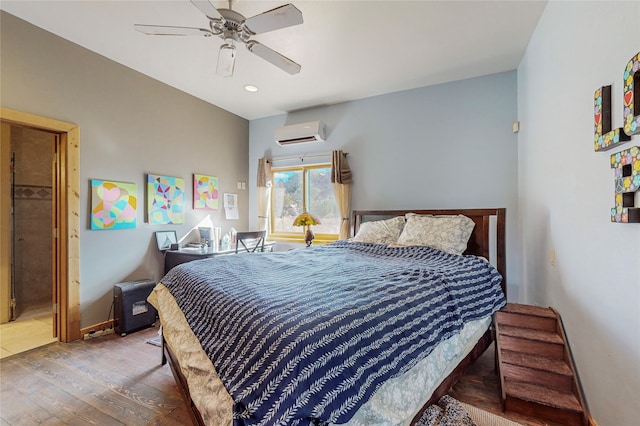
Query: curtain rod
point(301, 157)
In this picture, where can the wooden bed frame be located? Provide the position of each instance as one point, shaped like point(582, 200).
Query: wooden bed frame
point(479, 244)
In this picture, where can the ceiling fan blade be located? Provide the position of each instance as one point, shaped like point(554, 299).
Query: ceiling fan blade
point(274, 57)
point(170, 30)
point(208, 9)
point(274, 19)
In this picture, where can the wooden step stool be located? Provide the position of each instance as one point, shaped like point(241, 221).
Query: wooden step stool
point(537, 376)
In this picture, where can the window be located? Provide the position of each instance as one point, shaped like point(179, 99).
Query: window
point(299, 189)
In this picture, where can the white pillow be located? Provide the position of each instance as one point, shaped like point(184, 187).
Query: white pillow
point(446, 233)
point(380, 231)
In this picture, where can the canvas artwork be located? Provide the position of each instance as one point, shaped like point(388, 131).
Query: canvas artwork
point(205, 192)
point(113, 204)
point(165, 199)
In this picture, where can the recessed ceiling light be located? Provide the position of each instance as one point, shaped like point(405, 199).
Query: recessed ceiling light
point(250, 88)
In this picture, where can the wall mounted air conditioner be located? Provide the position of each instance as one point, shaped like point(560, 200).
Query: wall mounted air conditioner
point(312, 131)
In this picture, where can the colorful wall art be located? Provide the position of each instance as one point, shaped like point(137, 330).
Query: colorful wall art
point(627, 175)
point(165, 199)
point(205, 192)
point(605, 137)
point(113, 204)
point(630, 91)
point(626, 163)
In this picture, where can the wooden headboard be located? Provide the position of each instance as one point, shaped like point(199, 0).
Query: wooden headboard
point(479, 242)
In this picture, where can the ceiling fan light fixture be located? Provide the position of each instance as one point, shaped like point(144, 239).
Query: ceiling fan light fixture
point(232, 27)
point(226, 59)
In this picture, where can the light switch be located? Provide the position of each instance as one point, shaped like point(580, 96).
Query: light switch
point(244, 185)
point(239, 185)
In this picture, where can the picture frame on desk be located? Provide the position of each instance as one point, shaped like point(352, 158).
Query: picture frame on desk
point(205, 235)
point(166, 240)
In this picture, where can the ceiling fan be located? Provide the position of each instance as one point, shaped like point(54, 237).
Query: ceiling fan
point(234, 28)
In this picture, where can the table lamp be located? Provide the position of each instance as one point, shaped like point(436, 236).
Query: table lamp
point(307, 219)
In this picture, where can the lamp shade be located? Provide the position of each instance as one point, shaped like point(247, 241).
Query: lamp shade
point(306, 219)
point(226, 59)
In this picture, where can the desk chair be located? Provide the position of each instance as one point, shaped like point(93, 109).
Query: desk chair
point(257, 237)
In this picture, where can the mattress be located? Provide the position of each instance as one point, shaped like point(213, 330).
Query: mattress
point(395, 403)
point(322, 335)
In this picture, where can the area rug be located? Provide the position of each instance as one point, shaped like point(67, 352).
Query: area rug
point(485, 418)
point(451, 412)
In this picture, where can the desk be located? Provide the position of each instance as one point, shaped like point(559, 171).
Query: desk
point(174, 258)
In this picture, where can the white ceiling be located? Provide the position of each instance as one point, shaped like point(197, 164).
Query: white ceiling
point(348, 49)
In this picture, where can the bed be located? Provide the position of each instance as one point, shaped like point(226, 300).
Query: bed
point(342, 333)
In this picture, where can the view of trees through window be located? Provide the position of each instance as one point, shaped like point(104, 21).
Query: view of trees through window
point(297, 190)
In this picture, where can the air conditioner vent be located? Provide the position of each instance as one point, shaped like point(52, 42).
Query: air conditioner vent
point(312, 131)
point(298, 140)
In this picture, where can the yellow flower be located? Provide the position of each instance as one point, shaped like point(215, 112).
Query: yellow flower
point(306, 219)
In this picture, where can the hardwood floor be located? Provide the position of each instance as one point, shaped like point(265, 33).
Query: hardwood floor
point(113, 380)
point(109, 380)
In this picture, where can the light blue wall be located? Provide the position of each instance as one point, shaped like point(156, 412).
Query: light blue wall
point(566, 193)
point(445, 146)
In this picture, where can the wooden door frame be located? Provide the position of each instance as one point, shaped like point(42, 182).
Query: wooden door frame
point(68, 210)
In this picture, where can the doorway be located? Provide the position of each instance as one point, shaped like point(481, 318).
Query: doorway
point(32, 157)
point(63, 239)
point(32, 154)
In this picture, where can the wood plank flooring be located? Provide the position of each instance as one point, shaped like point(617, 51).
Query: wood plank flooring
point(113, 380)
point(109, 380)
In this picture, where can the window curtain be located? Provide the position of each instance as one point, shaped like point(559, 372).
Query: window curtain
point(341, 181)
point(264, 190)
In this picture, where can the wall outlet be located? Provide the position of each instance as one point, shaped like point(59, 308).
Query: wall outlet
point(552, 257)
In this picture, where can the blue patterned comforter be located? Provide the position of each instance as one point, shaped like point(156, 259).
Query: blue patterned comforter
point(307, 336)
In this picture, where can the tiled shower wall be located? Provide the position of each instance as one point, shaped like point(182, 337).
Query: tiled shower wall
point(32, 217)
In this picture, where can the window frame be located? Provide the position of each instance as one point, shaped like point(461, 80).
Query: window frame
point(297, 236)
